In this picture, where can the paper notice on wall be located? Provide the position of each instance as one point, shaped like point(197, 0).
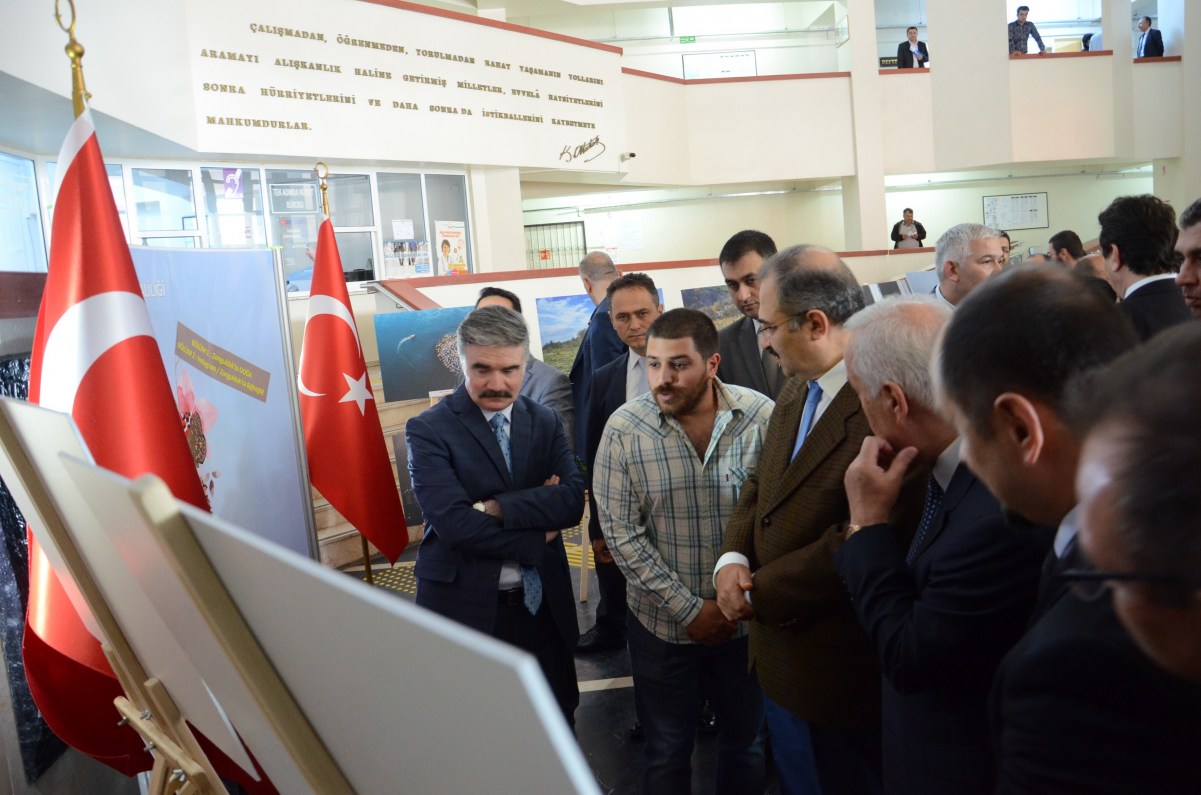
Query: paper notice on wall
point(627, 232)
point(451, 245)
point(402, 228)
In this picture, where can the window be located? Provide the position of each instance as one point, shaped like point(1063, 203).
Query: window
point(22, 246)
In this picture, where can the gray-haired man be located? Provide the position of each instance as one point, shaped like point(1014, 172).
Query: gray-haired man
point(964, 257)
point(944, 611)
point(497, 481)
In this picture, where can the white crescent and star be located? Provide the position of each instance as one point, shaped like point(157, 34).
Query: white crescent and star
point(357, 390)
point(85, 332)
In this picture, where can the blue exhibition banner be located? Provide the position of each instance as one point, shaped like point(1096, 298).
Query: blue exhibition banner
point(220, 320)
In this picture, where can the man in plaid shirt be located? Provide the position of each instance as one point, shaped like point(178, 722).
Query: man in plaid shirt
point(667, 477)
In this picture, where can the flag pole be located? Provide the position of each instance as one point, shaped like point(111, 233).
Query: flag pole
point(79, 92)
point(323, 172)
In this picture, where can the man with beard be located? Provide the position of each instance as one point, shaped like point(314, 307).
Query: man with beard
point(667, 476)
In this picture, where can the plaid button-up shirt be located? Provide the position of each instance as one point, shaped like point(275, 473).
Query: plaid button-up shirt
point(663, 509)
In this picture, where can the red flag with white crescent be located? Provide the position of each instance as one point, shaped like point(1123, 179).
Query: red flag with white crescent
point(95, 357)
point(348, 459)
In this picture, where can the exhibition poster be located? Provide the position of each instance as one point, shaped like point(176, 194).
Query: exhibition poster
point(217, 320)
point(450, 238)
point(418, 352)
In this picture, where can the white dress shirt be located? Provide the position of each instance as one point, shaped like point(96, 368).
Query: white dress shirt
point(636, 382)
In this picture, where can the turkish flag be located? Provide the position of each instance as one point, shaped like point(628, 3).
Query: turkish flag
point(348, 460)
point(95, 357)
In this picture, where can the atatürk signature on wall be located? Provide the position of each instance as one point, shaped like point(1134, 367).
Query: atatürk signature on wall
point(587, 148)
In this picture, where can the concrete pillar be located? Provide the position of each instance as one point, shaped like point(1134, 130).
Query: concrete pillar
point(495, 196)
point(1179, 180)
point(864, 211)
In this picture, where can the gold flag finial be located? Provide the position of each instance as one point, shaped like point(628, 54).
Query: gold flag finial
point(79, 92)
point(323, 172)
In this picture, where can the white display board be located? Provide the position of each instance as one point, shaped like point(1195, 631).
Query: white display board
point(220, 320)
point(1016, 211)
point(402, 698)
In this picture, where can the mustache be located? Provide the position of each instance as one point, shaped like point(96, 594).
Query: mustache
point(496, 393)
point(666, 390)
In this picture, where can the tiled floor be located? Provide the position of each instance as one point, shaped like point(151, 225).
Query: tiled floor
point(606, 710)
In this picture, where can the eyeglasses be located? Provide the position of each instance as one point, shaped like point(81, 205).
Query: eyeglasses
point(1089, 584)
point(764, 329)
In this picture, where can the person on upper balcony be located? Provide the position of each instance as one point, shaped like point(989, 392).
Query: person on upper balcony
point(908, 233)
point(912, 54)
point(1150, 43)
point(1020, 32)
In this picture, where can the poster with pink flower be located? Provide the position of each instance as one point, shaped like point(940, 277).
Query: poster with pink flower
point(219, 318)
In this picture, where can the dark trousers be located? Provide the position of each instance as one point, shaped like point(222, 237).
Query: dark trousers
point(848, 760)
point(611, 610)
point(540, 637)
point(670, 679)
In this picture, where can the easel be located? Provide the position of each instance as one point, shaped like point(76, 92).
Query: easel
point(180, 766)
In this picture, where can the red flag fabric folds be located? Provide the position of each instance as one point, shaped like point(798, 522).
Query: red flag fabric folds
point(348, 460)
point(95, 357)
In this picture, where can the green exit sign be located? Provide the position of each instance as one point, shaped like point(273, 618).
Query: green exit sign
point(688, 40)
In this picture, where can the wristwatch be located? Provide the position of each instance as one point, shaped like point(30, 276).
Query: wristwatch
point(479, 506)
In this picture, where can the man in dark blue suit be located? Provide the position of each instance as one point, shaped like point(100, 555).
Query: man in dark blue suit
point(1150, 43)
point(496, 480)
point(1137, 238)
point(634, 304)
point(1075, 705)
point(942, 613)
point(600, 345)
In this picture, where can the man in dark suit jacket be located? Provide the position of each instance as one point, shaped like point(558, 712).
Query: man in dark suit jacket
point(634, 305)
point(943, 613)
point(1074, 708)
point(1137, 238)
point(600, 345)
point(812, 658)
point(743, 363)
point(496, 482)
point(912, 54)
point(1150, 44)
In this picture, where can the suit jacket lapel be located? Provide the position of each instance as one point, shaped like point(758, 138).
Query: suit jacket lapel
point(748, 343)
point(616, 396)
point(520, 428)
point(472, 418)
point(825, 436)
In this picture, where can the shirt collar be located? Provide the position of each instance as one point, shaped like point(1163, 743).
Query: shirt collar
point(634, 362)
point(1066, 533)
point(833, 380)
point(507, 411)
point(946, 464)
point(1147, 280)
point(941, 297)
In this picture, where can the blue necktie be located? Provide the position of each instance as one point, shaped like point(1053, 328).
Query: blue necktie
point(1141, 40)
point(530, 581)
point(807, 414)
point(934, 495)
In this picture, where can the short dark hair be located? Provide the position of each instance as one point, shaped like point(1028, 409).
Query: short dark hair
point(834, 291)
point(1069, 240)
point(1147, 402)
point(679, 324)
point(631, 280)
point(1023, 8)
point(1146, 19)
point(1031, 331)
point(1144, 228)
point(503, 293)
point(744, 242)
point(1191, 215)
point(907, 209)
point(1005, 235)
point(911, 27)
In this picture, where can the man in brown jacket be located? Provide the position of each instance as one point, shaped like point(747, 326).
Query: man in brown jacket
point(812, 657)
